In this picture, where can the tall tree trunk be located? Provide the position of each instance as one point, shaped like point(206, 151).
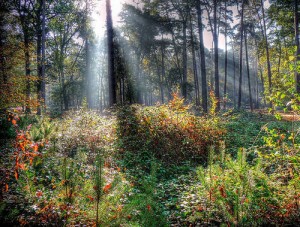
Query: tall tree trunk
point(260, 72)
point(226, 57)
point(184, 61)
point(27, 72)
point(88, 78)
point(43, 79)
point(163, 72)
point(202, 58)
point(39, 56)
point(110, 52)
point(241, 56)
point(234, 76)
point(248, 72)
point(216, 57)
point(297, 42)
point(267, 48)
point(196, 81)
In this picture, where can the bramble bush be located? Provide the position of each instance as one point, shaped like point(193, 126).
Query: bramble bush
point(168, 133)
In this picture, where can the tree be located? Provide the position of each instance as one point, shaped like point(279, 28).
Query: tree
point(65, 50)
point(202, 57)
point(24, 13)
point(297, 43)
point(40, 50)
point(110, 56)
point(241, 55)
point(266, 46)
point(216, 54)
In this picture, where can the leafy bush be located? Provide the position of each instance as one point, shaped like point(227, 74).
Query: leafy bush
point(168, 133)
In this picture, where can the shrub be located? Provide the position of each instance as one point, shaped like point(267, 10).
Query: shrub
point(167, 132)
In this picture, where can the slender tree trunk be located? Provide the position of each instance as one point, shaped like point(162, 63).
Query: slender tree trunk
point(3, 63)
point(241, 56)
point(202, 58)
point(279, 58)
point(267, 48)
point(88, 79)
point(260, 72)
point(39, 57)
point(2, 46)
point(226, 57)
point(27, 72)
point(43, 82)
point(196, 82)
point(297, 42)
point(248, 72)
point(216, 57)
point(184, 61)
point(257, 86)
point(110, 53)
point(234, 76)
point(163, 72)
point(138, 79)
point(64, 92)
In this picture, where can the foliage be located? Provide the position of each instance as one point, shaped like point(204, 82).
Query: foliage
point(170, 133)
point(256, 188)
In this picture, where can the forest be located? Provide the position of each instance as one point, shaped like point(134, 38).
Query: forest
point(149, 113)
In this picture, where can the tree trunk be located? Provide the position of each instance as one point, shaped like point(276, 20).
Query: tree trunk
point(297, 42)
point(241, 56)
point(234, 75)
point(196, 82)
point(110, 53)
point(202, 58)
point(184, 61)
point(267, 48)
point(27, 72)
point(88, 78)
point(248, 72)
point(163, 72)
point(216, 57)
point(226, 57)
point(43, 79)
point(39, 57)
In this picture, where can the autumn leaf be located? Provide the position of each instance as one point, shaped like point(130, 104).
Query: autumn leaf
point(39, 193)
point(22, 166)
point(14, 122)
point(90, 198)
point(16, 174)
point(6, 187)
point(148, 207)
point(35, 147)
point(106, 188)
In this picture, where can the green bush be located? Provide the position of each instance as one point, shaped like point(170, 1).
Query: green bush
point(168, 133)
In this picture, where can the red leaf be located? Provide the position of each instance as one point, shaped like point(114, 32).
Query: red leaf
point(90, 198)
point(16, 174)
point(39, 193)
point(148, 207)
point(6, 187)
point(106, 188)
point(35, 147)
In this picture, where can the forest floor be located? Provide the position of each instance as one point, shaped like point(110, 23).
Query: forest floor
point(150, 166)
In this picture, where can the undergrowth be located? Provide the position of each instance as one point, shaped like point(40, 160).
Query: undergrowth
point(150, 166)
